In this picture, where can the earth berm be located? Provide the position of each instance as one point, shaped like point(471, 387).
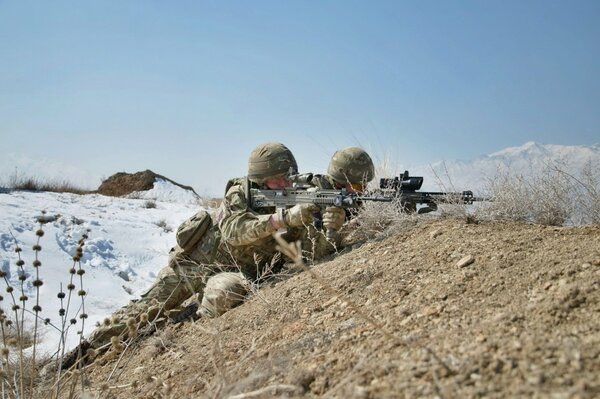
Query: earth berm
point(440, 309)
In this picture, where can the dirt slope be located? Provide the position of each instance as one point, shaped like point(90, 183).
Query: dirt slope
point(522, 320)
point(122, 183)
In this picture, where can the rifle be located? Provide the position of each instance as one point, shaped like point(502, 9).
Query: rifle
point(405, 188)
point(288, 197)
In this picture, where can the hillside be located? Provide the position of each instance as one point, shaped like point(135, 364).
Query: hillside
point(520, 321)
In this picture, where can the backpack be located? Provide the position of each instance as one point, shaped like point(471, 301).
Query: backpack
point(190, 232)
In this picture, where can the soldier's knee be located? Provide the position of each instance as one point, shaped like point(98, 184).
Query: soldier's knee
point(223, 291)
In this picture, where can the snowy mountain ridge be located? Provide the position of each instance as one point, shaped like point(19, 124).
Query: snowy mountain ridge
point(525, 159)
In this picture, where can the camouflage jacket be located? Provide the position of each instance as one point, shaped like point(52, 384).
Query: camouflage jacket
point(247, 234)
point(324, 182)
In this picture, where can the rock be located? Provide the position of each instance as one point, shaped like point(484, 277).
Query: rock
point(123, 275)
point(465, 261)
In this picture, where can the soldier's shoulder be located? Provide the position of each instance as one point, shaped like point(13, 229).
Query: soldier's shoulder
point(235, 183)
point(324, 182)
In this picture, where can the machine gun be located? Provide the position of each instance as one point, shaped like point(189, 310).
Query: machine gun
point(405, 188)
point(288, 197)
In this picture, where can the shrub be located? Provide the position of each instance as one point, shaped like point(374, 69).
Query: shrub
point(163, 225)
point(29, 183)
point(21, 365)
point(548, 196)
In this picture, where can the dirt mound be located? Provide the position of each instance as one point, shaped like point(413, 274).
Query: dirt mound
point(122, 183)
point(443, 309)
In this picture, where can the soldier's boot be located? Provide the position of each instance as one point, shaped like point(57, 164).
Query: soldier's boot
point(188, 313)
point(77, 355)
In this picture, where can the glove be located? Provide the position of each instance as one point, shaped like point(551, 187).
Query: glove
point(299, 214)
point(333, 218)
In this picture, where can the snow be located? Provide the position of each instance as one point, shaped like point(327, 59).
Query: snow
point(168, 192)
point(126, 248)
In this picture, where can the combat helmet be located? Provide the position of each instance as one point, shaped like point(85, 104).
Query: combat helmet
point(269, 160)
point(351, 165)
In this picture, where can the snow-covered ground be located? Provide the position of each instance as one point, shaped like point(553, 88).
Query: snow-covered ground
point(128, 244)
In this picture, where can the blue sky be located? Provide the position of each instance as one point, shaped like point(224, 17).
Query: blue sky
point(187, 89)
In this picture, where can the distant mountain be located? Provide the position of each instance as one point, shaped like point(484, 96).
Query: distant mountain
point(525, 160)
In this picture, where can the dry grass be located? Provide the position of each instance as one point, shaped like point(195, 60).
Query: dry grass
point(21, 366)
point(550, 196)
point(31, 183)
point(378, 219)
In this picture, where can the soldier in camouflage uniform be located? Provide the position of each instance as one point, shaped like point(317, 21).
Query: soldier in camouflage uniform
point(237, 250)
point(247, 233)
point(350, 169)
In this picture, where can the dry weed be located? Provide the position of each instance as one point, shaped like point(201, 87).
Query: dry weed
point(29, 183)
point(550, 196)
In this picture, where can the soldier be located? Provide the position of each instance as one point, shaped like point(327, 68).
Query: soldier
point(248, 233)
point(231, 254)
point(351, 169)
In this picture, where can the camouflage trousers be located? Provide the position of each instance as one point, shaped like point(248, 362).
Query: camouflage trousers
point(182, 281)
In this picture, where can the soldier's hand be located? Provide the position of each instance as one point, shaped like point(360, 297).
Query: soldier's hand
point(333, 218)
point(300, 214)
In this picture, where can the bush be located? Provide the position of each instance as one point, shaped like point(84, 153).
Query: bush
point(550, 196)
point(163, 225)
point(28, 183)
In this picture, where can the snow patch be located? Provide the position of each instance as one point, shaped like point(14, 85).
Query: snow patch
point(164, 190)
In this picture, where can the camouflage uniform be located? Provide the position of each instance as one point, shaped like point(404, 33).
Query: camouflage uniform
point(349, 168)
point(248, 236)
point(185, 275)
point(234, 253)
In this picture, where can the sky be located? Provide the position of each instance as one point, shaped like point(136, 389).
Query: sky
point(188, 88)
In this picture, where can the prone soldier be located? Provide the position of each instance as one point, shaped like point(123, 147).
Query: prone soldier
point(216, 262)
